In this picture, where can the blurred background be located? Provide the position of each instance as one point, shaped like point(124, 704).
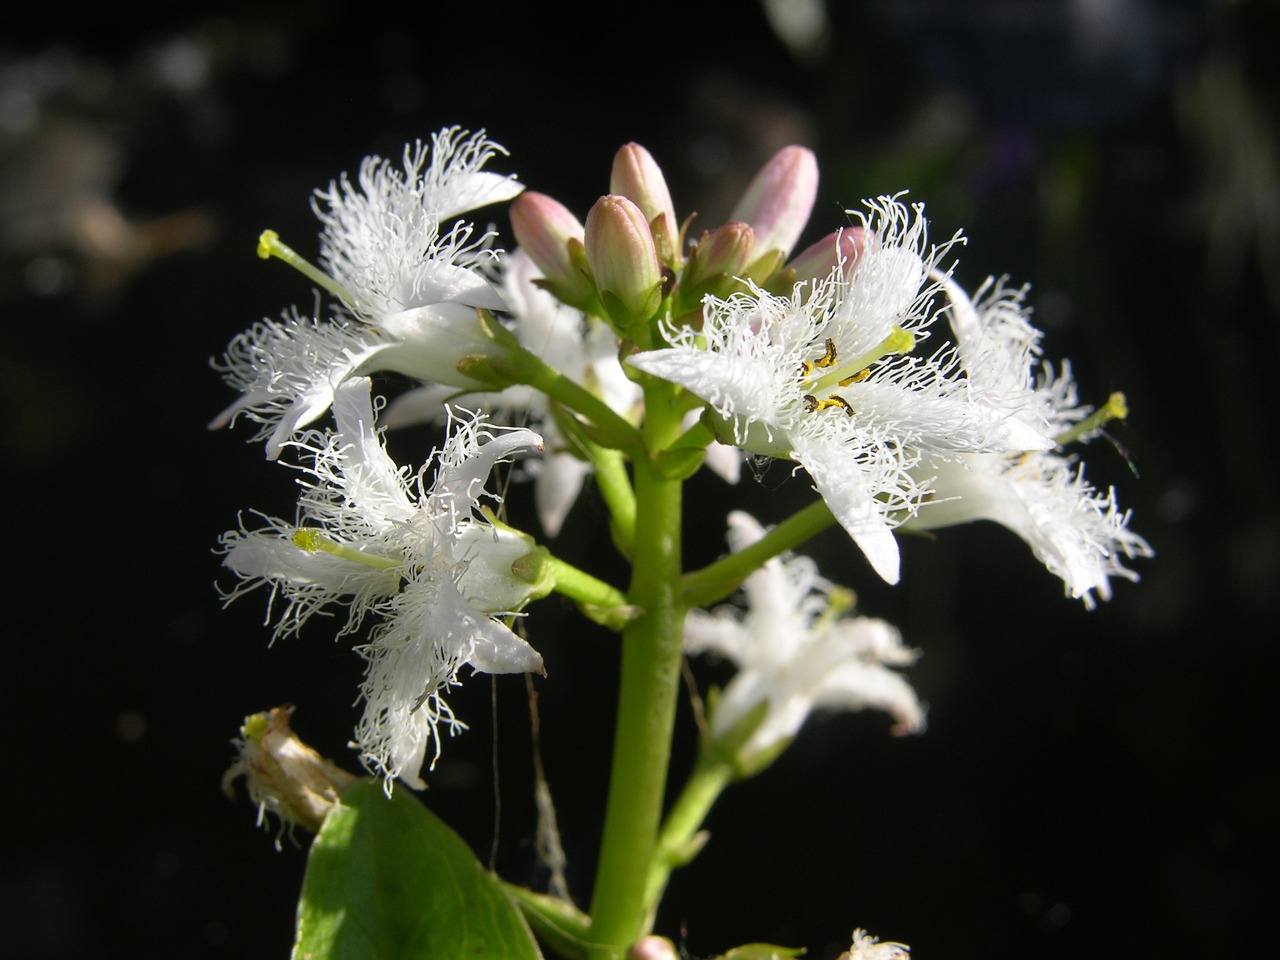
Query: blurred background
point(1091, 785)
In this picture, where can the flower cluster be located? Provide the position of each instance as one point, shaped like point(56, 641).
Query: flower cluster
point(625, 339)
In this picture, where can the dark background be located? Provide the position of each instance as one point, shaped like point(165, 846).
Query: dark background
point(1092, 784)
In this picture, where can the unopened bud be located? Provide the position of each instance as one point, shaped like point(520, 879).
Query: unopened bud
point(780, 198)
point(553, 239)
point(637, 176)
point(284, 776)
point(725, 251)
point(623, 260)
point(843, 249)
point(652, 948)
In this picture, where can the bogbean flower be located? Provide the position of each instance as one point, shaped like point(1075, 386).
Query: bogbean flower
point(1076, 531)
point(409, 278)
point(826, 377)
point(578, 345)
point(796, 653)
point(373, 540)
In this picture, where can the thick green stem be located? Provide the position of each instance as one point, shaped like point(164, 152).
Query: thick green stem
point(680, 841)
point(647, 698)
point(717, 580)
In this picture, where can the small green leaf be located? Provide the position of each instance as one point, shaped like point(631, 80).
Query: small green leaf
point(388, 880)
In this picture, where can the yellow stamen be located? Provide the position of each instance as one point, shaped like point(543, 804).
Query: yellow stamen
point(856, 378)
point(812, 404)
point(898, 341)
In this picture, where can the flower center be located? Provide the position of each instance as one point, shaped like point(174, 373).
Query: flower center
point(845, 374)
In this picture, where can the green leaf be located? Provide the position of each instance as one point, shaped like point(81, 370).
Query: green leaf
point(387, 879)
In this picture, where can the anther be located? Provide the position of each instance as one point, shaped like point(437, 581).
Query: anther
point(812, 404)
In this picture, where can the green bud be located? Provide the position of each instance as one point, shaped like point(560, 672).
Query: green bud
point(623, 260)
point(718, 258)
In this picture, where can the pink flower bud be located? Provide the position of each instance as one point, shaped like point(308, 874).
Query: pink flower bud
point(844, 247)
point(553, 237)
point(652, 948)
point(637, 176)
point(623, 259)
point(780, 198)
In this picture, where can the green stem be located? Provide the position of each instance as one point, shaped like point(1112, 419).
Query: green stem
point(648, 693)
point(680, 841)
point(615, 486)
point(611, 429)
point(717, 580)
point(581, 587)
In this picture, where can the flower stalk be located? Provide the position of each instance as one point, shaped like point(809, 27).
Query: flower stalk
point(648, 693)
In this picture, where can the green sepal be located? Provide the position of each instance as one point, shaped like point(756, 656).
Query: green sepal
point(490, 371)
point(537, 569)
point(387, 880)
point(499, 332)
point(729, 748)
point(679, 464)
point(628, 324)
point(765, 266)
point(761, 951)
point(615, 618)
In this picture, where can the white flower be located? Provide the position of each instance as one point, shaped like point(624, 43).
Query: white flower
point(581, 347)
point(1078, 533)
point(409, 279)
point(286, 370)
point(389, 244)
point(796, 654)
point(378, 541)
point(825, 378)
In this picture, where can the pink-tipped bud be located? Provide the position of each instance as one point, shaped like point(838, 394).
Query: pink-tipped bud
point(652, 948)
point(780, 198)
point(553, 239)
point(623, 260)
point(725, 251)
point(843, 248)
point(637, 176)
